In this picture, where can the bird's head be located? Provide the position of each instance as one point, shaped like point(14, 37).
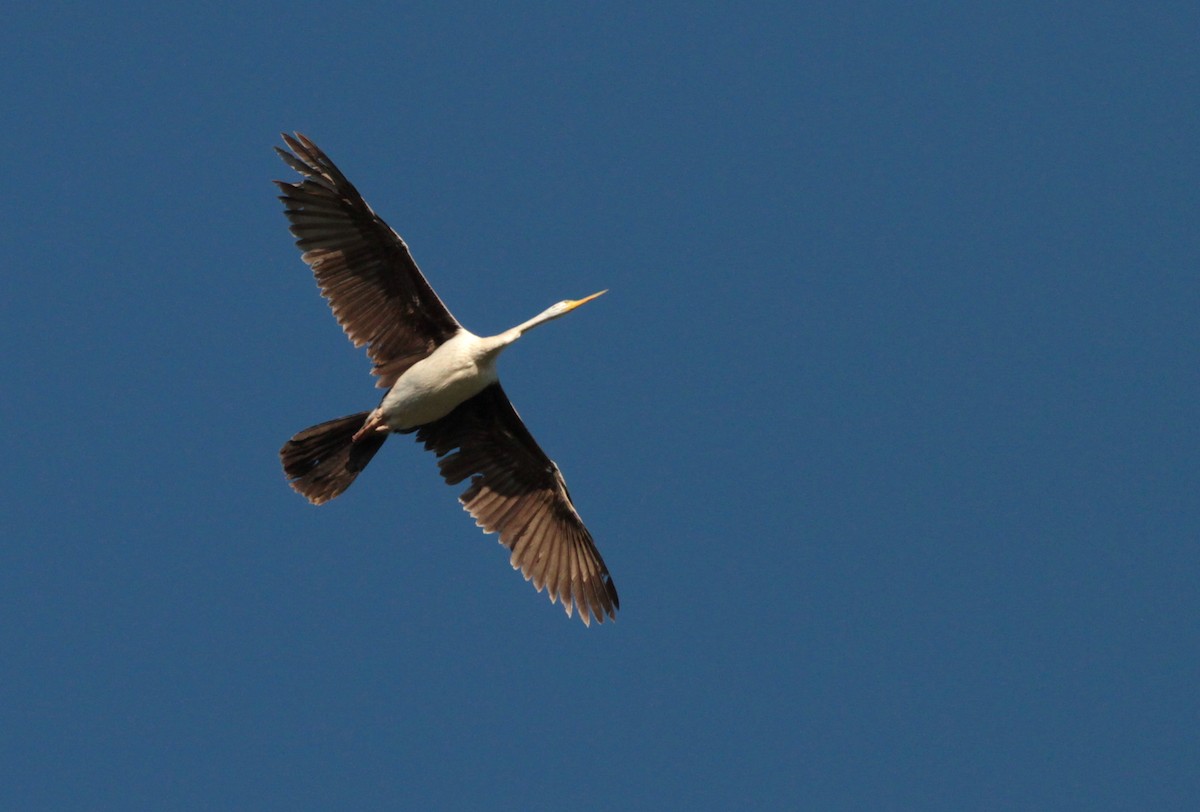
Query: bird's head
point(549, 314)
point(567, 305)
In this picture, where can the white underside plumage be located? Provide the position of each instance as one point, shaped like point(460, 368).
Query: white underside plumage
point(457, 370)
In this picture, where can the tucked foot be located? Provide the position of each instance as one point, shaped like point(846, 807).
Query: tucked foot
point(373, 423)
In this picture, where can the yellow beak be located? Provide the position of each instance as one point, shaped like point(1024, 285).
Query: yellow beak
point(584, 300)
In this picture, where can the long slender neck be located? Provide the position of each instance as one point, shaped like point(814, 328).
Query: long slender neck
point(495, 344)
point(513, 333)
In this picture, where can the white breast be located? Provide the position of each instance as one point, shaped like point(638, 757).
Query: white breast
point(457, 370)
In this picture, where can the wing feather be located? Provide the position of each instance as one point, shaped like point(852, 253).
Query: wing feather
point(516, 491)
point(363, 267)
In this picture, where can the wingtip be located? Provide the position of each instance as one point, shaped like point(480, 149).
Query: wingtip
point(296, 142)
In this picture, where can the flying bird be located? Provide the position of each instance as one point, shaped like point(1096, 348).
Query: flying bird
point(442, 385)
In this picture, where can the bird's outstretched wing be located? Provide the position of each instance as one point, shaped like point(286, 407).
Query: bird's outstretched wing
point(363, 267)
point(518, 492)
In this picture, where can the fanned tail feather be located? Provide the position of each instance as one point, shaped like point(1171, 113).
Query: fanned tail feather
point(323, 460)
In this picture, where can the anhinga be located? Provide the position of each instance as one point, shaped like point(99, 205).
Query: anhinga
point(442, 385)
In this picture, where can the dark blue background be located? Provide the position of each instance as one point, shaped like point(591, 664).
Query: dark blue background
point(887, 429)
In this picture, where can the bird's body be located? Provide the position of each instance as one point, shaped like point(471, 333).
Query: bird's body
point(456, 371)
point(442, 384)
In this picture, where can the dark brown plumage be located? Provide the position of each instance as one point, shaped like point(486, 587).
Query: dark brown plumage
point(363, 267)
point(518, 492)
point(383, 302)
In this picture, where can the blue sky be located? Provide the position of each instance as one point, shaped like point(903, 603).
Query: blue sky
point(887, 429)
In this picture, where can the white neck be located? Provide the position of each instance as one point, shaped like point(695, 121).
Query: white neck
point(512, 334)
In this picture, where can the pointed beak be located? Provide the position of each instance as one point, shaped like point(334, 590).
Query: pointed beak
point(584, 300)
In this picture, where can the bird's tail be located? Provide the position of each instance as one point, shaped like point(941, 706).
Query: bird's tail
point(322, 461)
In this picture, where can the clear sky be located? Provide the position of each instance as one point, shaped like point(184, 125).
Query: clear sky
point(887, 429)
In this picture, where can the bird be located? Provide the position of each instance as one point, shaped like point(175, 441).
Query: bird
point(442, 386)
